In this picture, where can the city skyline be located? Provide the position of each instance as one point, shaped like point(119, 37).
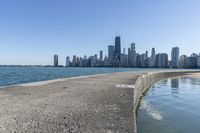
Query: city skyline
point(115, 57)
point(32, 31)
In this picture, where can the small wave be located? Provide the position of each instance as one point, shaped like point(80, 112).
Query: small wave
point(153, 112)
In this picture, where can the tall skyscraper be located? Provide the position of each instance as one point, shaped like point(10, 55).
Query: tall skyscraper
point(129, 56)
point(67, 61)
point(164, 60)
point(132, 56)
point(144, 60)
point(175, 57)
point(111, 52)
point(159, 60)
point(74, 61)
point(152, 61)
point(55, 60)
point(147, 55)
point(153, 53)
point(117, 47)
point(101, 55)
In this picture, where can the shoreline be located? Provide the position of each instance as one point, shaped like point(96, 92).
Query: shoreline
point(44, 82)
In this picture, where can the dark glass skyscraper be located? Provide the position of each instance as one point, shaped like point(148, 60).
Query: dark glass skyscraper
point(117, 47)
point(111, 52)
point(55, 60)
point(101, 55)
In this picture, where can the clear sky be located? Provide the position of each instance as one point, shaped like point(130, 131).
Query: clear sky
point(32, 31)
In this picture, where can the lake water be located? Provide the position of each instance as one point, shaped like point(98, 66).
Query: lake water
point(18, 75)
point(171, 106)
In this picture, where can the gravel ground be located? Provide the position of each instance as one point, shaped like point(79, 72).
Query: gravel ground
point(81, 105)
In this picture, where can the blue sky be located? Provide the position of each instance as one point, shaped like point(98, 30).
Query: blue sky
point(32, 31)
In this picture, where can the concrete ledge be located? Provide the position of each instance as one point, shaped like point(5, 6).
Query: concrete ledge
point(143, 83)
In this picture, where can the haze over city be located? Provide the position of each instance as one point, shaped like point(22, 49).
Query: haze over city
point(31, 32)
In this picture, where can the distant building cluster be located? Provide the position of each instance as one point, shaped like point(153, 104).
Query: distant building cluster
point(132, 59)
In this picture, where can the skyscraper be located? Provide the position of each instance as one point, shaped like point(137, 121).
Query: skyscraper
point(159, 60)
point(74, 61)
point(111, 52)
point(153, 53)
point(164, 59)
point(152, 61)
point(91, 61)
point(67, 61)
point(101, 55)
point(55, 60)
point(129, 56)
point(143, 60)
point(175, 57)
point(147, 55)
point(132, 57)
point(117, 48)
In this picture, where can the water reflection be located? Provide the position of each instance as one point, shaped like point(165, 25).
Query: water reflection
point(174, 107)
point(175, 83)
point(175, 86)
point(195, 81)
point(184, 80)
point(190, 80)
point(164, 82)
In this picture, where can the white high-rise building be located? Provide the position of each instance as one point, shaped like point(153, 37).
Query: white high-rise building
point(175, 57)
point(183, 61)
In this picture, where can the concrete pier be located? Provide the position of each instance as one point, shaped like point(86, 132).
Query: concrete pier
point(89, 105)
point(94, 104)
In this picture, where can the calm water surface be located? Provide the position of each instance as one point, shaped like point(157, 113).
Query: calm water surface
point(171, 106)
point(18, 75)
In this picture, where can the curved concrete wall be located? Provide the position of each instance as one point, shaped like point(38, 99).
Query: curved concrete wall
point(143, 83)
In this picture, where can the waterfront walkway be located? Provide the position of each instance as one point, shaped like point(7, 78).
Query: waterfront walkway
point(95, 104)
